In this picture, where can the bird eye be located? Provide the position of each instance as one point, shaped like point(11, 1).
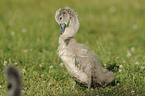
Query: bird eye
point(60, 18)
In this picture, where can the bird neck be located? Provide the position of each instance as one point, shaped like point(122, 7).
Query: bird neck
point(74, 23)
point(72, 29)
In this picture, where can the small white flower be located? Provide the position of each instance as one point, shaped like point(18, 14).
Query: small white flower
point(132, 91)
point(23, 70)
point(0, 86)
point(40, 65)
point(31, 49)
point(104, 17)
point(24, 30)
point(12, 33)
point(125, 7)
point(15, 63)
point(5, 62)
point(132, 49)
point(118, 84)
point(142, 67)
point(128, 53)
point(120, 70)
point(50, 66)
point(112, 9)
point(124, 61)
point(44, 81)
point(49, 84)
point(11, 23)
point(61, 64)
point(117, 57)
point(137, 6)
point(104, 64)
point(25, 51)
point(22, 91)
point(136, 62)
point(42, 75)
point(135, 26)
point(120, 66)
point(135, 57)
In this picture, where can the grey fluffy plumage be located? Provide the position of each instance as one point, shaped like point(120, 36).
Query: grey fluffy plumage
point(14, 81)
point(81, 63)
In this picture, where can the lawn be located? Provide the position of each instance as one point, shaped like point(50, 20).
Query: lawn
point(114, 29)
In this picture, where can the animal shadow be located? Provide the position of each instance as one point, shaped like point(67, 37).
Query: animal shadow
point(113, 67)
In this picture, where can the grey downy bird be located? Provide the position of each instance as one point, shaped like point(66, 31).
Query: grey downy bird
point(81, 63)
point(14, 80)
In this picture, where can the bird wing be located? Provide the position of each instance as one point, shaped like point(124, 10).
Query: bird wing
point(83, 58)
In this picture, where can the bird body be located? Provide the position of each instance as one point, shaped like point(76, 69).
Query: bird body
point(81, 63)
point(14, 81)
point(68, 56)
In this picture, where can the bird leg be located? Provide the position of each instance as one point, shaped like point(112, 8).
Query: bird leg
point(90, 83)
point(74, 84)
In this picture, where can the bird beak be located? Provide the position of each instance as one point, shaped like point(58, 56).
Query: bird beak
point(62, 27)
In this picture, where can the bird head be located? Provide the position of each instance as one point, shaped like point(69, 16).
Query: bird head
point(62, 17)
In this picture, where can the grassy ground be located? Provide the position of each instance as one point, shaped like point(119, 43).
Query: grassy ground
point(114, 29)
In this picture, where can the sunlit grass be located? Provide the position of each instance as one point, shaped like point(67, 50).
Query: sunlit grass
point(114, 29)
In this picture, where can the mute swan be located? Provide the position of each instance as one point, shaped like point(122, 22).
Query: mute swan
point(14, 81)
point(81, 63)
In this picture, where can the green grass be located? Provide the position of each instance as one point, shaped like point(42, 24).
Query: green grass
point(113, 29)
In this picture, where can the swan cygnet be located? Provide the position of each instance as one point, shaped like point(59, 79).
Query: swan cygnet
point(14, 81)
point(81, 63)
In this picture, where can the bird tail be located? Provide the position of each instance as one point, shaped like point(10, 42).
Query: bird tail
point(108, 77)
point(14, 81)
